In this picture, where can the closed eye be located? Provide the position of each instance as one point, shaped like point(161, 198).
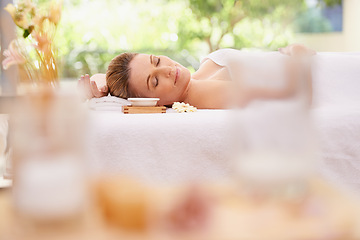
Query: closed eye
point(157, 81)
point(156, 61)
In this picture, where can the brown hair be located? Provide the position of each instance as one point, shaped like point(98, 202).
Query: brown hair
point(117, 75)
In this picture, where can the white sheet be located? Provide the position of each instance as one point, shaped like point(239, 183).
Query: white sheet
point(336, 80)
point(161, 147)
point(196, 146)
point(339, 132)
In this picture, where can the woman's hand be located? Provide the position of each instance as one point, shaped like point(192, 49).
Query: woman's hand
point(298, 68)
point(297, 50)
point(93, 87)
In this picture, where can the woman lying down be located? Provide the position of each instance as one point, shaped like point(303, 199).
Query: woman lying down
point(150, 76)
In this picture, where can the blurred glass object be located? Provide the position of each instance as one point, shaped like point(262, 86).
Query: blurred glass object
point(8, 164)
point(275, 147)
point(3, 141)
point(5, 149)
point(49, 172)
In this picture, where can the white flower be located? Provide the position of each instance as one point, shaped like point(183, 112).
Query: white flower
point(176, 105)
point(191, 109)
point(183, 107)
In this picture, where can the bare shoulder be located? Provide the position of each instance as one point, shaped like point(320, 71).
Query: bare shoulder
point(206, 69)
point(210, 94)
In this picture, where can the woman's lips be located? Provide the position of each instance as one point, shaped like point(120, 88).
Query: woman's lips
point(177, 74)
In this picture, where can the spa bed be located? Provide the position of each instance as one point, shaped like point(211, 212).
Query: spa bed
point(175, 147)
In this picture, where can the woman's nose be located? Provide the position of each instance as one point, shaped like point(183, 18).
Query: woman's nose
point(166, 71)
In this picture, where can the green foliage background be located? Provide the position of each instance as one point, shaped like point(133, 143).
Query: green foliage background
point(92, 32)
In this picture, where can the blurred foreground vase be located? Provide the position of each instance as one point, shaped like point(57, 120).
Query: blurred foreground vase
point(275, 145)
point(49, 178)
point(276, 149)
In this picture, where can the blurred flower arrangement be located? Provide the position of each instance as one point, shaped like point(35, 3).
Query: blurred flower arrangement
point(34, 51)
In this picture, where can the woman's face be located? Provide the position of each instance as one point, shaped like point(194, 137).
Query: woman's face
point(158, 76)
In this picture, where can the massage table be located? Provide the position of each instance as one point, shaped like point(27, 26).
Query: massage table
point(175, 147)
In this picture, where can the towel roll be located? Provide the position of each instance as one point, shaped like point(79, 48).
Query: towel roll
point(108, 103)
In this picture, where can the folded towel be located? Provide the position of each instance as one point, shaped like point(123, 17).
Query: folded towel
point(108, 103)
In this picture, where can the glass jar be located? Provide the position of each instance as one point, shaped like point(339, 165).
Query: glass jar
point(49, 180)
point(275, 146)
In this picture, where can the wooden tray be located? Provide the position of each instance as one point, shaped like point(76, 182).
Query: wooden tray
point(134, 110)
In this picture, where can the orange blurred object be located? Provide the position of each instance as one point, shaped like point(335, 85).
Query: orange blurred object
point(123, 202)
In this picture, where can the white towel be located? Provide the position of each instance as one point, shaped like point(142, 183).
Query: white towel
point(336, 80)
point(339, 131)
point(163, 148)
point(108, 103)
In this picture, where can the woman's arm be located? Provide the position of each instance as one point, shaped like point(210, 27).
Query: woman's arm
point(94, 86)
